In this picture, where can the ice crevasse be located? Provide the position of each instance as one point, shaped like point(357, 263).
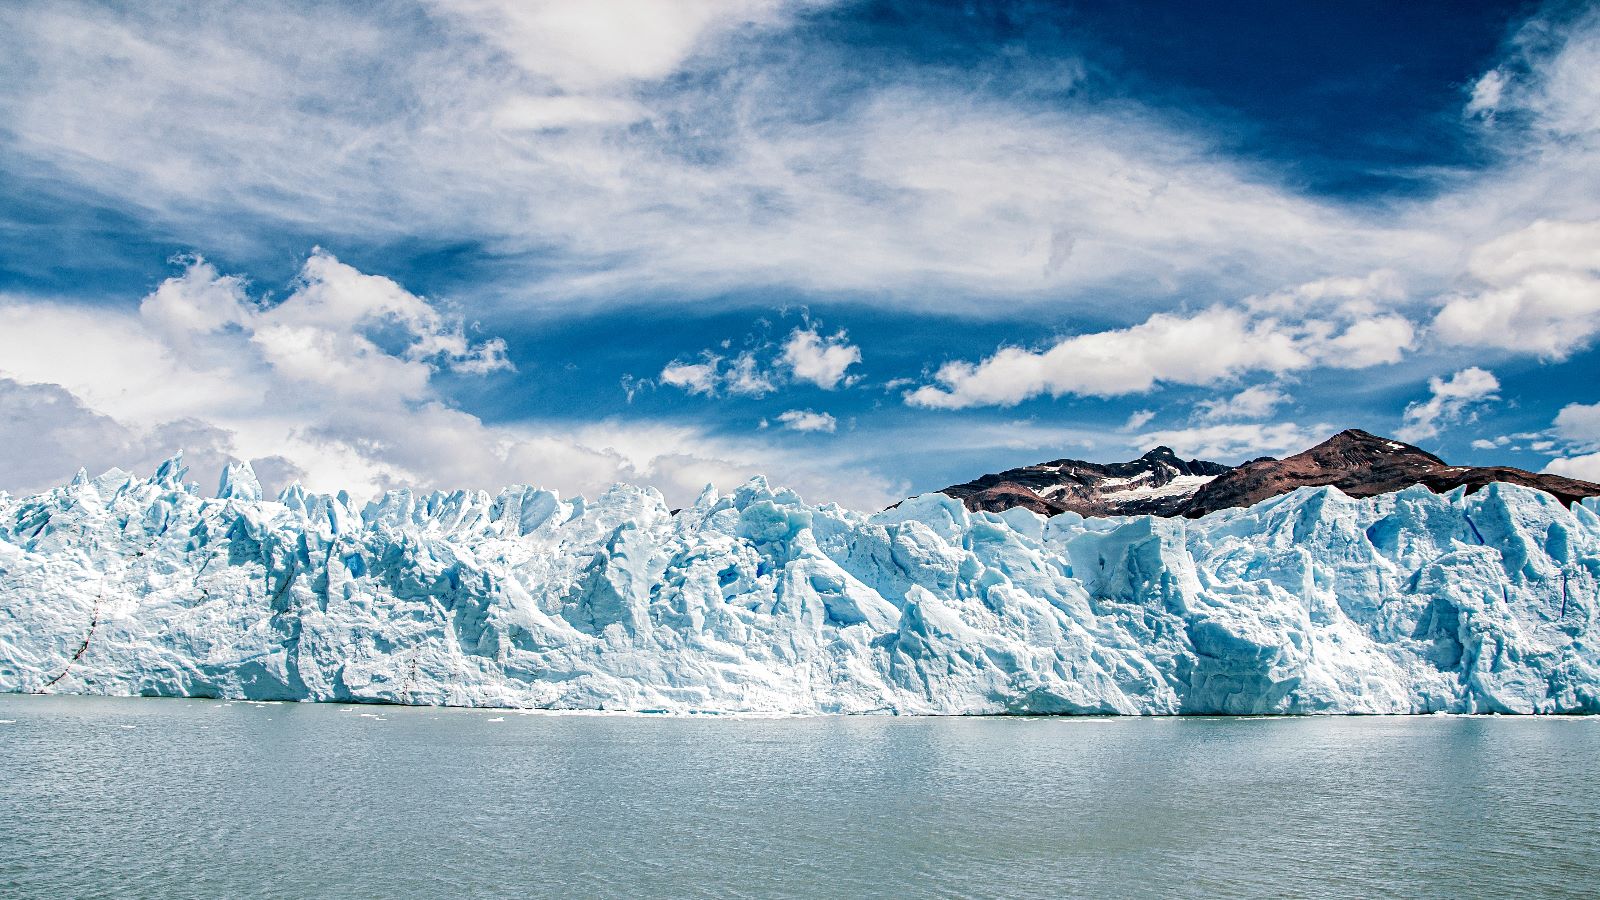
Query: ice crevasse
point(756, 602)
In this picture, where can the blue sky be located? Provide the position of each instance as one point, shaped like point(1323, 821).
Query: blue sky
point(866, 248)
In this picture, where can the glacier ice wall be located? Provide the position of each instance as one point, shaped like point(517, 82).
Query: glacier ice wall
point(1313, 602)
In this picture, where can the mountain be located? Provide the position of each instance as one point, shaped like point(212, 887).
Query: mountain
point(755, 602)
point(1363, 465)
point(1354, 461)
point(1157, 483)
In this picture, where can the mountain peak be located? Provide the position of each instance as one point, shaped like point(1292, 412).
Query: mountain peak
point(1162, 452)
point(1161, 483)
point(1363, 464)
point(1156, 483)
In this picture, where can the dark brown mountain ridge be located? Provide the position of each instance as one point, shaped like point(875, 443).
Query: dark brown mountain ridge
point(1159, 483)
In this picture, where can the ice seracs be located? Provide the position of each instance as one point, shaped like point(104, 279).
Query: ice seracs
point(1310, 602)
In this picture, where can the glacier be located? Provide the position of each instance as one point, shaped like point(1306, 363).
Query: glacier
point(755, 602)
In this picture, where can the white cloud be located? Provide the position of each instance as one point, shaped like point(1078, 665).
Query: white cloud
point(1365, 343)
point(335, 381)
point(693, 378)
point(1451, 399)
point(1210, 346)
point(1237, 441)
point(557, 128)
point(1251, 403)
point(227, 122)
point(807, 356)
point(745, 377)
point(1563, 56)
point(581, 44)
point(1585, 467)
point(741, 377)
point(1214, 345)
point(321, 334)
point(1138, 419)
point(1576, 437)
point(201, 302)
point(823, 361)
point(806, 420)
point(1540, 292)
point(1486, 93)
point(541, 113)
point(1349, 295)
point(1578, 424)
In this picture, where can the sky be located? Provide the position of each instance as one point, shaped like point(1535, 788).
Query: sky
point(866, 249)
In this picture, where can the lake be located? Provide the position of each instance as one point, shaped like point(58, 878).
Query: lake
point(198, 798)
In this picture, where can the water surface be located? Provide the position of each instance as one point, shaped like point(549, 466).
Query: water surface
point(195, 798)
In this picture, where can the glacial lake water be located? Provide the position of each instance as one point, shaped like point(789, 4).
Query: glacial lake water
point(197, 798)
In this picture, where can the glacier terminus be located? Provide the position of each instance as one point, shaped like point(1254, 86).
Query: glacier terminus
point(755, 602)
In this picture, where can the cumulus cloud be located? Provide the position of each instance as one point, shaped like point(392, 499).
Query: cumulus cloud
point(1451, 400)
point(693, 378)
point(334, 383)
point(1585, 467)
point(742, 376)
point(1214, 345)
point(1540, 292)
point(1575, 435)
point(806, 356)
point(1376, 341)
point(1578, 424)
point(1210, 346)
point(822, 361)
point(806, 420)
point(1256, 402)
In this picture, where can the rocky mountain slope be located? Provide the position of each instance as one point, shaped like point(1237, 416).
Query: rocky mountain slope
point(1363, 465)
point(1157, 483)
point(1310, 602)
point(1358, 463)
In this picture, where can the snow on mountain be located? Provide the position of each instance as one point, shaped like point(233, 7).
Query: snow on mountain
point(1157, 483)
point(1310, 602)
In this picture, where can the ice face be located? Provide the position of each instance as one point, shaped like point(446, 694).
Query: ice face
point(1312, 602)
